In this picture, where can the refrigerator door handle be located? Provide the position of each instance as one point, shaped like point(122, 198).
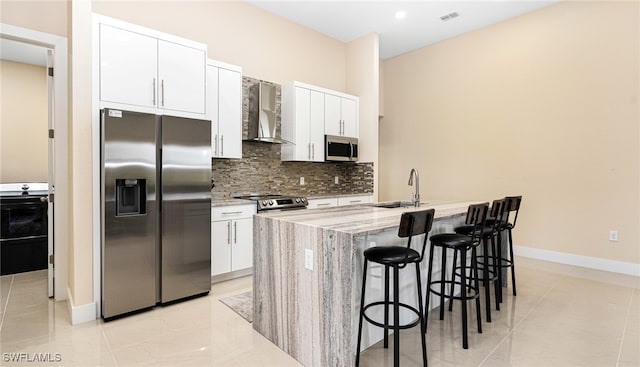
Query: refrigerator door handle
point(162, 90)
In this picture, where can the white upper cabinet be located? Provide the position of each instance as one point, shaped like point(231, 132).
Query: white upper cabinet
point(224, 109)
point(230, 113)
point(306, 114)
point(148, 71)
point(181, 72)
point(316, 126)
point(349, 109)
point(341, 116)
point(128, 67)
point(302, 124)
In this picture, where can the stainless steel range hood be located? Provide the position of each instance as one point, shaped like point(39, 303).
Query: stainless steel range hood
point(263, 117)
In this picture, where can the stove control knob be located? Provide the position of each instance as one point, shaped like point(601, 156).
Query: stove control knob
point(297, 200)
point(270, 202)
point(303, 200)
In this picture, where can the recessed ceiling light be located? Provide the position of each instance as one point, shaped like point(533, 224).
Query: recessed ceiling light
point(401, 14)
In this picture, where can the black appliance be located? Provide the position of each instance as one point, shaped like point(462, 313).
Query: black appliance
point(24, 227)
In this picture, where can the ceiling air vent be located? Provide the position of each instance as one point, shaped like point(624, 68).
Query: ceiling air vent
point(449, 16)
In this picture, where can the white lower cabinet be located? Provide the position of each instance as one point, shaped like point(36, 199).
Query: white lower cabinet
point(231, 239)
point(354, 200)
point(340, 201)
point(322, 203)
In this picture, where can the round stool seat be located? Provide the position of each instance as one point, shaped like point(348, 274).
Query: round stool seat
point(451, 240)
point(388, 255)
point(487, 231)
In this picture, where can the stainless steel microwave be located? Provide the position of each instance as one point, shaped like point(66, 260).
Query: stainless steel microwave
point(340, 148)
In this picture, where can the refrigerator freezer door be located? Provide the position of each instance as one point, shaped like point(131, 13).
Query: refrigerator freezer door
point(186, 208)
point(129, 211)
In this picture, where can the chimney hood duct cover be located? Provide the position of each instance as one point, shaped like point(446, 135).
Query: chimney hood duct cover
point(263, 124)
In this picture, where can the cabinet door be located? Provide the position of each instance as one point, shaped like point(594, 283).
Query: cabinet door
point(221, 238)
point(242, 252)
point(349, 112)
point(182, 77)
point(128, 67)
point(230, 113)
point(332, 115)
point(302, 121)
point(212, 107)
point(316, 126)
point(322, 203)
point(354, 200)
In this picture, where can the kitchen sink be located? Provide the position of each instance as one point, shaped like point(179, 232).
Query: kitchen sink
point(393, 204)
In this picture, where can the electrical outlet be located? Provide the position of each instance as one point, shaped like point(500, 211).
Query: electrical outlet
point(336, 180)
point(308, 259)
point(301, 180)
point(613, 236)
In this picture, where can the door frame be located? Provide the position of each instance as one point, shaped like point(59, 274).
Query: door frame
point(61, 181)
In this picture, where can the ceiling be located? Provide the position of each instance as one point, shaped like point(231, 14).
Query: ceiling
point(22, 52)
point(422, 26)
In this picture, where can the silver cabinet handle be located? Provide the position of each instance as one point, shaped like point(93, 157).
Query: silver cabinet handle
point(222, 145)
point(324, 204)
point(215, 152)
point(228, 233)
point(313, 150)
point(309, 151)
point(355, 201)
point(162, 90)
point(235, 232)
point(227, 213)
point(154, 91)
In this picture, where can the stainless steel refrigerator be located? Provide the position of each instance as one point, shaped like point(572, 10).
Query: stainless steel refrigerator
point(156, 210)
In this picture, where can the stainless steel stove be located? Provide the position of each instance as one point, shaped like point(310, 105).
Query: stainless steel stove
point(276, 201)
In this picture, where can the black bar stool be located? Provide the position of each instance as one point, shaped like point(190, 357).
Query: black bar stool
point(512, 207)
point(488, 262)
point(397, 257)
point(459, 243)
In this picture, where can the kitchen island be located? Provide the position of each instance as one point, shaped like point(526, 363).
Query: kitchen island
point(308, 273)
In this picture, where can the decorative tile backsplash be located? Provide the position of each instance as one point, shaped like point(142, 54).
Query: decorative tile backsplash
point(261, 171)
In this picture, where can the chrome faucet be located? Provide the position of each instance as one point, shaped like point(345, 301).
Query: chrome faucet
point(416, 195)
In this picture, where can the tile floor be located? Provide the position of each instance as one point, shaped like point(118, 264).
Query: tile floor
point(562, 316)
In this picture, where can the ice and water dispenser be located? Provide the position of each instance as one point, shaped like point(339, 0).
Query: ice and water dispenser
point(131, 197)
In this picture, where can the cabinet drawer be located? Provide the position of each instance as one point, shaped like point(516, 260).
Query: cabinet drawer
point(354, 200)
point(227, 212)
point(322, 203)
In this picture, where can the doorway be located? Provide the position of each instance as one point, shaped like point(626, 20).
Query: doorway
point(50, 51)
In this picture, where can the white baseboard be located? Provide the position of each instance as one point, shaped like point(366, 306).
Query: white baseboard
point(579, 260)
point(82, 313)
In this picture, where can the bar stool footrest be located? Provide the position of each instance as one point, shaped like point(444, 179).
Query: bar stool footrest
point(391, 326)
point(474, 295)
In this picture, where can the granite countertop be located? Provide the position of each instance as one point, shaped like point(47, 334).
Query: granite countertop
point(365, 218)
point(230, 201)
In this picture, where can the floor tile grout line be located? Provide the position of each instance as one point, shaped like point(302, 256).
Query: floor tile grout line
point(106, 339)
point(624, 329)
point(516, 325)
point(6, 304)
